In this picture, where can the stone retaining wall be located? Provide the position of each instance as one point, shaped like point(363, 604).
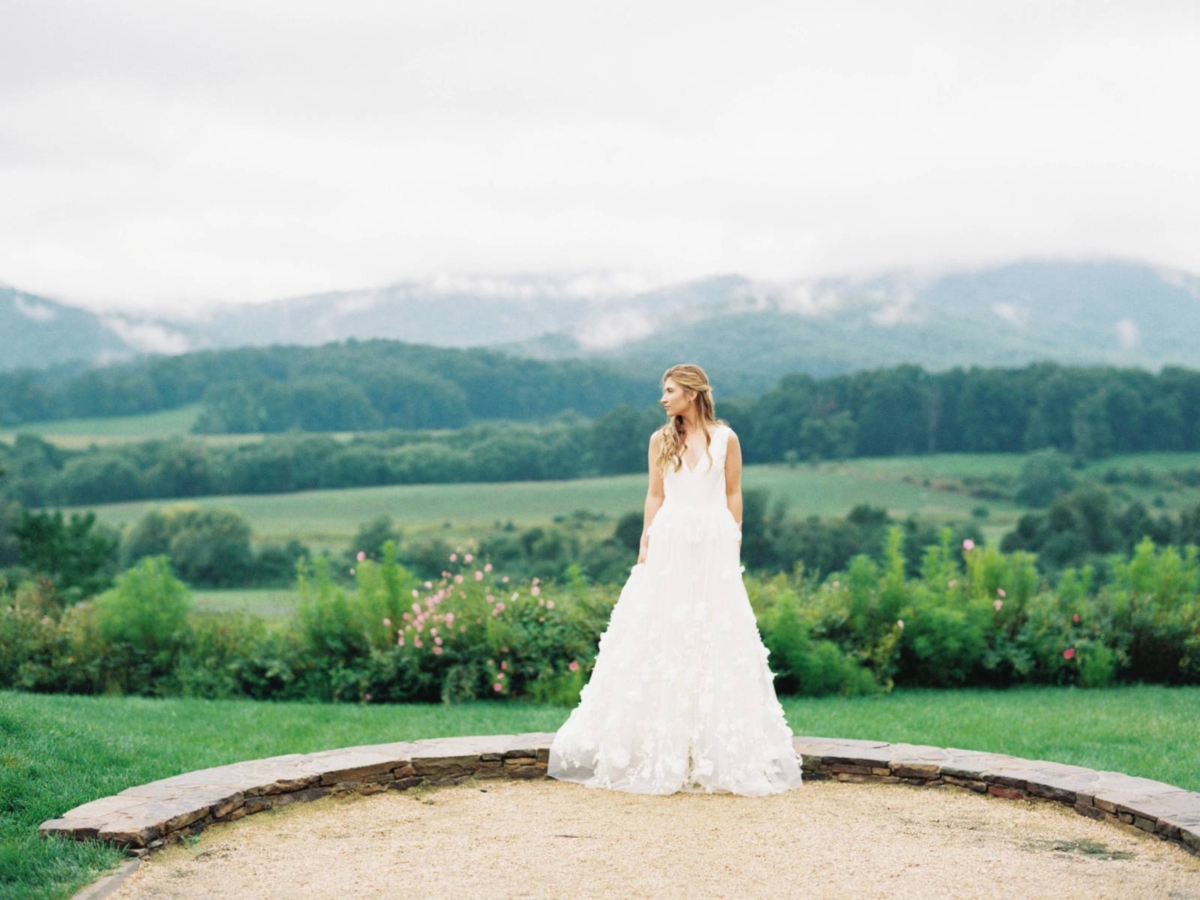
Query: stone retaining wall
point(146, 817)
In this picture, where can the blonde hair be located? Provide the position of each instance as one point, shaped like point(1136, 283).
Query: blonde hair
point(671, 436)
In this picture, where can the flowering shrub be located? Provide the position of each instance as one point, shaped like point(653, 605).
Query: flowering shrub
point(973, 616)
point(473, 633)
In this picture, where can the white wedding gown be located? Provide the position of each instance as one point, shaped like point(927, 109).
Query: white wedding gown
point(681, 697)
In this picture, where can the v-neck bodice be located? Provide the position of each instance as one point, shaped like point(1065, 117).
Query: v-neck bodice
point(705, 483)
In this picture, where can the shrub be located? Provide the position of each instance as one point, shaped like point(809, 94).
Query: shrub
point(142, 624)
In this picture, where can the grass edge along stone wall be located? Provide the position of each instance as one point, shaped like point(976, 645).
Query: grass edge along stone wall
point(146, 817)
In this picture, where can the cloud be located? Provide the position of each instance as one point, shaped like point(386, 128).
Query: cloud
point(1014, 315)
point(32, 310)
point(170, 155)
point(146, 337)
point(1127, 334)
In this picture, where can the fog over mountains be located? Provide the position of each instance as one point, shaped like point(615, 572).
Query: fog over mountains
point(745, 333)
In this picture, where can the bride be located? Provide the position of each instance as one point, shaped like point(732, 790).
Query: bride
point(681, 697)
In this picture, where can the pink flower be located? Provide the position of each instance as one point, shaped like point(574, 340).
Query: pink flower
point(437, 651)
point(835, 584)
point(387, 622)
point(503, 664)
point(417, 643)
point(478, 575)
point(504, 580)
point(541, 602)
point(488, 567)
point(400, 641)
point(468, 558)
point(503, 649)
point(500, 607)
point(453, 557)
point(997, 604)
point(416, 607)
point(573, 666)
point(491, 598)
point(433, 631)
point(1075, 617)
point(1001, 592)
point(449, 618)
point(429, 585)
point(499, 676)
point(1068, 653)
point(549, 604)
point(361, 556)
point(366, 698)
point(497, 687)
point(416, 593)
point(535, 590)
point(458, 579)
point(438, 641)
point(968, 544)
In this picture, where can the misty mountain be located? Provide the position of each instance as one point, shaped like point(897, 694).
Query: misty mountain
point(745, 333)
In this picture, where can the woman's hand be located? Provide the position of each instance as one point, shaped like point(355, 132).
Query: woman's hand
point(643, 548)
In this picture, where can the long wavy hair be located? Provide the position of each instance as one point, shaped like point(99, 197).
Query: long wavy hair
point(670, 449)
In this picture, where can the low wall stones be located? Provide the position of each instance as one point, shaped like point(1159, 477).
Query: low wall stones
point(148, 816)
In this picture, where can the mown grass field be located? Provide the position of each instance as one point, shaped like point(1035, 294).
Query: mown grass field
point(276, 605)
point(61, 751)
point(930, 486)
point(330, 518)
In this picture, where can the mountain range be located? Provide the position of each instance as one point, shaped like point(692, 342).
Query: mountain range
point(745, 333)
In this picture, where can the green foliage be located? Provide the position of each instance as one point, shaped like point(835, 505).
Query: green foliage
point(444, 408)
point(1043, 476)
point(142, 624)
point(209, 547)
point(75, 554)
point(971, 616)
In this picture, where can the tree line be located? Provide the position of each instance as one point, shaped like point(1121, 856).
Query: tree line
point(1082, 413)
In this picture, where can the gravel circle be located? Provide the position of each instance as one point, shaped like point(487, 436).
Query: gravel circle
point(543, 838)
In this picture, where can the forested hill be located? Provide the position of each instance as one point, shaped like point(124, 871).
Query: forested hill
point(747, 334)
point(347, 386)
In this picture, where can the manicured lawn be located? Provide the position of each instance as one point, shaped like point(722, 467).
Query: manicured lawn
point(57, 752)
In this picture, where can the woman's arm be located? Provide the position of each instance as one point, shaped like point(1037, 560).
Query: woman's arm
point(654, 497)
point(733, 478)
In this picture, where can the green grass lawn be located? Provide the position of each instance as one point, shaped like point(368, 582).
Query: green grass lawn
point(60, 751)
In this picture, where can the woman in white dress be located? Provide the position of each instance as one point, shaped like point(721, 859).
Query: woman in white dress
point(681, 697)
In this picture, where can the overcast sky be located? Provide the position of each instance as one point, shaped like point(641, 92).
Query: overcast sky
point(167, 153)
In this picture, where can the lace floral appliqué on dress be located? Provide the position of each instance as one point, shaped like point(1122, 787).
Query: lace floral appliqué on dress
point(681, 697)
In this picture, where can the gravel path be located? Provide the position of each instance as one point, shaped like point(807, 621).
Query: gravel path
point(543, 838)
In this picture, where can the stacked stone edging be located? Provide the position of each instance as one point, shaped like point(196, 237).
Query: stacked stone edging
point(144, 818)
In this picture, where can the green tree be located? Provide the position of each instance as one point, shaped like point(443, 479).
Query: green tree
point(1044, 475)
point(75, 554)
